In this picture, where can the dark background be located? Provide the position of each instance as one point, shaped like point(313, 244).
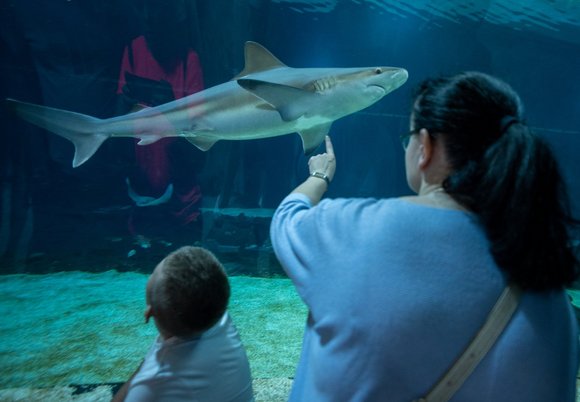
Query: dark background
point(67, 54)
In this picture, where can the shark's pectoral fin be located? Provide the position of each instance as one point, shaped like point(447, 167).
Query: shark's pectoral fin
point(313, 137)
point(289, 101)
point(203, 143)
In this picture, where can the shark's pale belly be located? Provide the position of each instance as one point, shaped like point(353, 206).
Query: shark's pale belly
point(262, 125)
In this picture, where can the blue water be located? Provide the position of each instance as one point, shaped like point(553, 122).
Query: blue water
point(67, 55)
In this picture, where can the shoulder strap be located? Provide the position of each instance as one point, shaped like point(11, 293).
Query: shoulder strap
point(497, 320)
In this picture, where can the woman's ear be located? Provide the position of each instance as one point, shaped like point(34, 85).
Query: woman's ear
point(425, 148)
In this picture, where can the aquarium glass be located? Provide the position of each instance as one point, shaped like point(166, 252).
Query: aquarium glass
point(82, 226)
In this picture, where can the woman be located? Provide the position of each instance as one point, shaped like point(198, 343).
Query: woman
point(397, 288)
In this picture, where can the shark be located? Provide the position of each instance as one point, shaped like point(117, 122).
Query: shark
point(146, 201)
point(266, 99)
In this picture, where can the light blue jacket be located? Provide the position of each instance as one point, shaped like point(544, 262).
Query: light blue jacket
point(397, 290)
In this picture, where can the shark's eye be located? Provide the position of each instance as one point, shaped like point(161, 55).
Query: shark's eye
point(378, 71)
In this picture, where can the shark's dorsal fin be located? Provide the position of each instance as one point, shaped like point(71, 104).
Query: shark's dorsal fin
point(258, 59)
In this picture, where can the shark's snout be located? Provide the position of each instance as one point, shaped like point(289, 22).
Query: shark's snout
point(402, 74)
point(398, 76)
point(384, 80)
point(392, 79)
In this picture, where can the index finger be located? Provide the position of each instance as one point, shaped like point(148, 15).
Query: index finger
point(329, 146)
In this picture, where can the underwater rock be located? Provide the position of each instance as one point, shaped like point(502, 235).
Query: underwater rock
point(240, 239)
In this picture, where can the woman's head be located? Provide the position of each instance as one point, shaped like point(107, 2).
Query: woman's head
point(465, 112)
point(501, 171)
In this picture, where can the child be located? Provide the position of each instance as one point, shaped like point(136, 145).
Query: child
point(198, 355)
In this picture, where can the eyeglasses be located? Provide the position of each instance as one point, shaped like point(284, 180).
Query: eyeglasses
point(406, 138)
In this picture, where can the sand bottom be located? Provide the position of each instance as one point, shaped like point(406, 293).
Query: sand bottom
point(265, 390)
point(86, 328)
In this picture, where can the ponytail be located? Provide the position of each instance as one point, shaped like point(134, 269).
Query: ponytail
point(509, 179)
point(519, 196)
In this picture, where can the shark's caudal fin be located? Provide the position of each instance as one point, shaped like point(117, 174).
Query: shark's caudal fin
point(145, 201)
point(80, 129)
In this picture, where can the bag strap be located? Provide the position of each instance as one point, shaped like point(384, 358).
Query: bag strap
point(496, 321)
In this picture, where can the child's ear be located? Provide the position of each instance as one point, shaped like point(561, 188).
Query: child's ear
point(148, 313)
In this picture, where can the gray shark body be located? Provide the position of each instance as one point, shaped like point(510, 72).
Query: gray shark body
point(266, 99)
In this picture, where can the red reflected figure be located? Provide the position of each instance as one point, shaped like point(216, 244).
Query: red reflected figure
point(159, 67)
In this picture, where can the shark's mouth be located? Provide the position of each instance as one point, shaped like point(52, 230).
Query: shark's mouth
point(379, 87)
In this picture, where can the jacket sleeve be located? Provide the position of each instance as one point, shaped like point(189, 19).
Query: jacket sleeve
point(303, 239)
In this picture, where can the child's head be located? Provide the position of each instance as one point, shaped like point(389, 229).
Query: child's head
point(187, 293)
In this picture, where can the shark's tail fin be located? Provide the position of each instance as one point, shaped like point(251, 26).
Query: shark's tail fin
point(80, 129)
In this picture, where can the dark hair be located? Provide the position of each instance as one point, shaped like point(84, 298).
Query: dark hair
point(194, 291)
point(505, 174)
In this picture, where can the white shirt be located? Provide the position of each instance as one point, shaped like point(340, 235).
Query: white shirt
point(209, 367)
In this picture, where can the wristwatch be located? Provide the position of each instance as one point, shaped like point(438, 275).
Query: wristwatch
point(322, 176)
